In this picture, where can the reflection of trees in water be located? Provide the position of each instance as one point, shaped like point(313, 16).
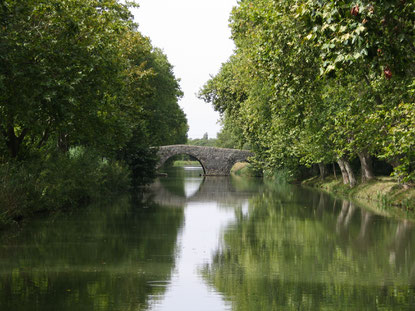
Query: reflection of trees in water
point(102, 259)
point(302, 250)
point(175, 183)
point(219, 189)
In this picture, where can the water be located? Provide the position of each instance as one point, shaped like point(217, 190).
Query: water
point(211, 244)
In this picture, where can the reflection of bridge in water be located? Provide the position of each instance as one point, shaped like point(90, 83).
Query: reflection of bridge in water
point(223, 190)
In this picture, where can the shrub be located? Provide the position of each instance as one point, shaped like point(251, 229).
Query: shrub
point(60, 181)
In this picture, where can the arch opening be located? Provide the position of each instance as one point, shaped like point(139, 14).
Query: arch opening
point(184, 160)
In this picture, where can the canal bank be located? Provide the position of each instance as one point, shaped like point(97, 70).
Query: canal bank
point(383, 194)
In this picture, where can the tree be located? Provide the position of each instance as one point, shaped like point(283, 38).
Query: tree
point(150, 104)
point(311, 82)
point(60, 70)
point(78, 73)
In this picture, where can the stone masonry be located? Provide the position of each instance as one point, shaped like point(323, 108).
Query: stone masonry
point(215, 161)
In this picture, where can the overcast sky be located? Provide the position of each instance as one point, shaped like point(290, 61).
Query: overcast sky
point(195, 36)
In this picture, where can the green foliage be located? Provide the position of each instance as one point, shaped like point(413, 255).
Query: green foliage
point(151, 103)
point(231, 136)
point(167, 123)
point(142, 163)
point(246, 170)
point(60, 181)
point(92, 79)
point(76, 75)
point(314, 81)
point(205, 141)
point(399, 145)
point(61, 69)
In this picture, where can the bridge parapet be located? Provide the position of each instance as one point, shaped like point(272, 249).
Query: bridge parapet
point(215, 161)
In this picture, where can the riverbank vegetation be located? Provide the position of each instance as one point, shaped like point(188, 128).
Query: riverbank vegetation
point(385, 192)
point(244, 169)
point(83, 96)
point(183, 163)
point(313, 83)
point(204, 141)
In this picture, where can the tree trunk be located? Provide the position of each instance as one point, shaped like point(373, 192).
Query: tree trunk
point(366, 166)
point(343, 171)
point(13, 142)
point(44, 139)
point(322, 169)
point(334, 171)
point(63, 142)
point(350, 173)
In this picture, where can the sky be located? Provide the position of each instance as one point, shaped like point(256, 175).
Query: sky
point(195, 36)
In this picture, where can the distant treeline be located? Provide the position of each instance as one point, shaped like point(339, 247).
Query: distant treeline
point(313, 83)
point(204, 141)
point(224, 139)
point(78, 81)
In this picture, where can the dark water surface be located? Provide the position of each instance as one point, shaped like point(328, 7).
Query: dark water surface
point(211, 244)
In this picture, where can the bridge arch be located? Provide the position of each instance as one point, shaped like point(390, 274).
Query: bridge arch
point(215, 161)
point(166, 157)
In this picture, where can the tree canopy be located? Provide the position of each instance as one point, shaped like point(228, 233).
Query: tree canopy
point(77, 72)
point(315, 82)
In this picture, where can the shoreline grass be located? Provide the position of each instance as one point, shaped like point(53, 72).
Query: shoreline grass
point(383, 194)
point(181, 163)
point(244, 169)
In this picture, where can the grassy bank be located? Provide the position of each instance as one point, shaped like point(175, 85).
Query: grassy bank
point(182, 163)
point(382, 194)
point(244, 169)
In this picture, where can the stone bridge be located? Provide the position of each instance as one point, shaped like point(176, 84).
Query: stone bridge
point(215, 161)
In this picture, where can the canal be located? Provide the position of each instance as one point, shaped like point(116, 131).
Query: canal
point(211, 243)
